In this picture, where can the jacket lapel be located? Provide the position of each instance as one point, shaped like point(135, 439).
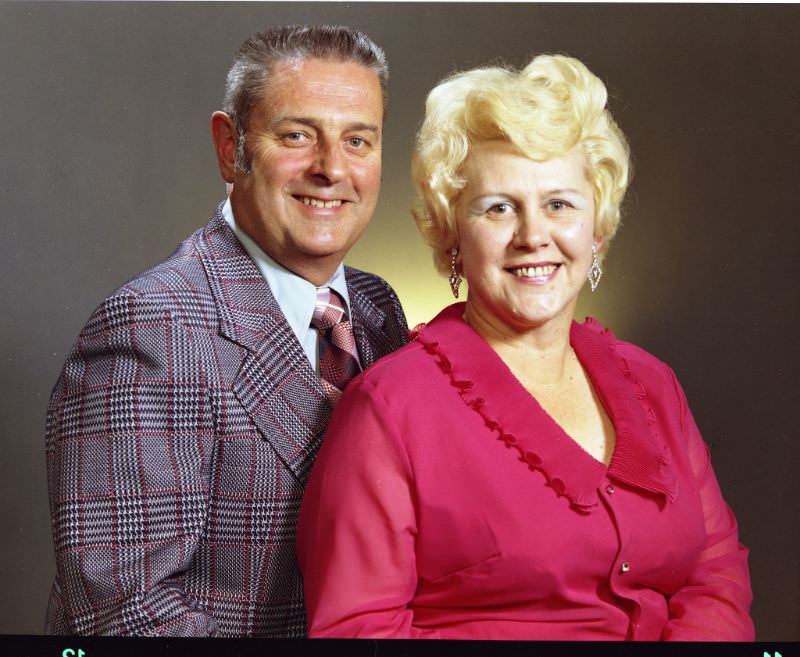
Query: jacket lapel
point(367, 321)
point(275, 384)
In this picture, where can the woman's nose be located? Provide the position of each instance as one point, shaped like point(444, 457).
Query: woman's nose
point(532, 230)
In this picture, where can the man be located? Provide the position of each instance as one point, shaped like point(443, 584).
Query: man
point(189, 412)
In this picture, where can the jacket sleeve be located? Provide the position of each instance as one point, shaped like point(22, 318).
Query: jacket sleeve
point(129, 448)
point(714, 603)
point(357, 525)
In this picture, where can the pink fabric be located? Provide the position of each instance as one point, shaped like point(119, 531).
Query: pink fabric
point(445, 503)
point(338, 358)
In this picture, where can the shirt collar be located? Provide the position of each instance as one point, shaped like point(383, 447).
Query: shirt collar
point(294, 294)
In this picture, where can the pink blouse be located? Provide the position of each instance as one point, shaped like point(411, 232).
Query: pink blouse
point(445, 503)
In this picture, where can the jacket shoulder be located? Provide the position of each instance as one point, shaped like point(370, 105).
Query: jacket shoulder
point(177, 287)
point(376, 292)
point(182, 269)
point(372, 286)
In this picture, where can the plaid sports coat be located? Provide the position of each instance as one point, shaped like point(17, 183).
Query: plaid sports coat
point(179, 438)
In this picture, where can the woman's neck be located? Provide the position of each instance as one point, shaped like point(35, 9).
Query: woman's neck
point(540, 355)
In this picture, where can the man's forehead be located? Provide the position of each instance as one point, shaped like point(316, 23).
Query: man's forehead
point(319, 72)
point(329, 85)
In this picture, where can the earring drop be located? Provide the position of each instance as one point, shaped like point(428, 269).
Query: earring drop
point(455, 279)
point(595, 270)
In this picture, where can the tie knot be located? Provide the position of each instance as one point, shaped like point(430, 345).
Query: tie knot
point(328, 311)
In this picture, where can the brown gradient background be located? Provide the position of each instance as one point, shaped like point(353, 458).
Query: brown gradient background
point(107, 163)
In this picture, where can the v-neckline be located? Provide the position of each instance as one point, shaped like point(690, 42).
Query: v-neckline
point(488, 386)
point(580, 371)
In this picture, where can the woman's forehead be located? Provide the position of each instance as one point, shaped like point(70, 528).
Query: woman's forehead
point(497, 160)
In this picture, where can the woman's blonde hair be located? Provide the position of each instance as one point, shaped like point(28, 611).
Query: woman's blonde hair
point(546, 109)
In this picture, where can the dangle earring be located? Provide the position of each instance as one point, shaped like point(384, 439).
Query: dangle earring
point(455, 279)
point(595, 270)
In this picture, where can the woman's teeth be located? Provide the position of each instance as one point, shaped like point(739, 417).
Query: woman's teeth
point(534, 272)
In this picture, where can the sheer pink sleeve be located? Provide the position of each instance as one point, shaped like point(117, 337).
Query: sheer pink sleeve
point(715, 601)
point(357, 526)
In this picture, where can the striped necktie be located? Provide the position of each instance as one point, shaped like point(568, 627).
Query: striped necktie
point(338, 358)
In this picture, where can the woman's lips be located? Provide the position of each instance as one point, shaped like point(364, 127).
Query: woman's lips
point(534, 272)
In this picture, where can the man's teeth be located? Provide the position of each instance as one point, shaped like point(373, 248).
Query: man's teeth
point(319, 203)
point(534, 272)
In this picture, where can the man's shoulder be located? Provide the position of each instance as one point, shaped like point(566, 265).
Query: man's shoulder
point(376, 308)
point(175, 288)
point(364, 280)
point(182, 269)
point(377, 290)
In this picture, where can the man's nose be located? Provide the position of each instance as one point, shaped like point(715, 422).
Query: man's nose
point(329, 162)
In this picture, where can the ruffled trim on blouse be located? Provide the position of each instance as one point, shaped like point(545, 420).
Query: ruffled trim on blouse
point(487, 387)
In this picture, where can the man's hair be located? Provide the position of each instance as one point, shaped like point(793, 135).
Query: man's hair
point(255, 58)
point(551, 106)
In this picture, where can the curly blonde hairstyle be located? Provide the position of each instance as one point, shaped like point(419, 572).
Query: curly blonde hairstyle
point(546, 109)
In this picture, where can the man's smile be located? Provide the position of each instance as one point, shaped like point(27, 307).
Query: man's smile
point(319, 202)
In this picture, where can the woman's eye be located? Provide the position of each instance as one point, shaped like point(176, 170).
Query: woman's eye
point(557, 205)
point(500, 208)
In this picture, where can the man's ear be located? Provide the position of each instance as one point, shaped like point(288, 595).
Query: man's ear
point(223, 132)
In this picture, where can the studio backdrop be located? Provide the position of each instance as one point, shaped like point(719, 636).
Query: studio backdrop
point(106, 164)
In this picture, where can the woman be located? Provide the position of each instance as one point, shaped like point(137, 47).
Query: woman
point(511, 474)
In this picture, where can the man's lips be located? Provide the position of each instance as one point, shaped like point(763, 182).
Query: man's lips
point(316, 202)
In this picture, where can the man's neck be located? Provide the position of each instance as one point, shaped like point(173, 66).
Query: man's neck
point(317, 270)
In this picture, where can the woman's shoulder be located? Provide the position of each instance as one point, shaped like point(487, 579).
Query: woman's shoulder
point(401, 363)
point(428, 359)
point(640, 361)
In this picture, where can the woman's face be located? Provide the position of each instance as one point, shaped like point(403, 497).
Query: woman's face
point(525, 235)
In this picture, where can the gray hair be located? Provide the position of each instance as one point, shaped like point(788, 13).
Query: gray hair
point(256, 56)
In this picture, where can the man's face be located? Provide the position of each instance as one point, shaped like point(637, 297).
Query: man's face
point(314, 145)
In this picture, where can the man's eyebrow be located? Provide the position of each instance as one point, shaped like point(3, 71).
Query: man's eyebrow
point(364, 127)
point(314, 123)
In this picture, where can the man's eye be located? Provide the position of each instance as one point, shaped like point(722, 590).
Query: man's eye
point(356, 142)
point(295, 137)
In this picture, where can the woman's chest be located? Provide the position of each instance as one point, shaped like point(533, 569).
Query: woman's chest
point(490, 521)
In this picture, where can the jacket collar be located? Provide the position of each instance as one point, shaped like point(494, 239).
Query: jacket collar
point(276, 384)
point(487, 386)
point(247, 308)
point(245, 305)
